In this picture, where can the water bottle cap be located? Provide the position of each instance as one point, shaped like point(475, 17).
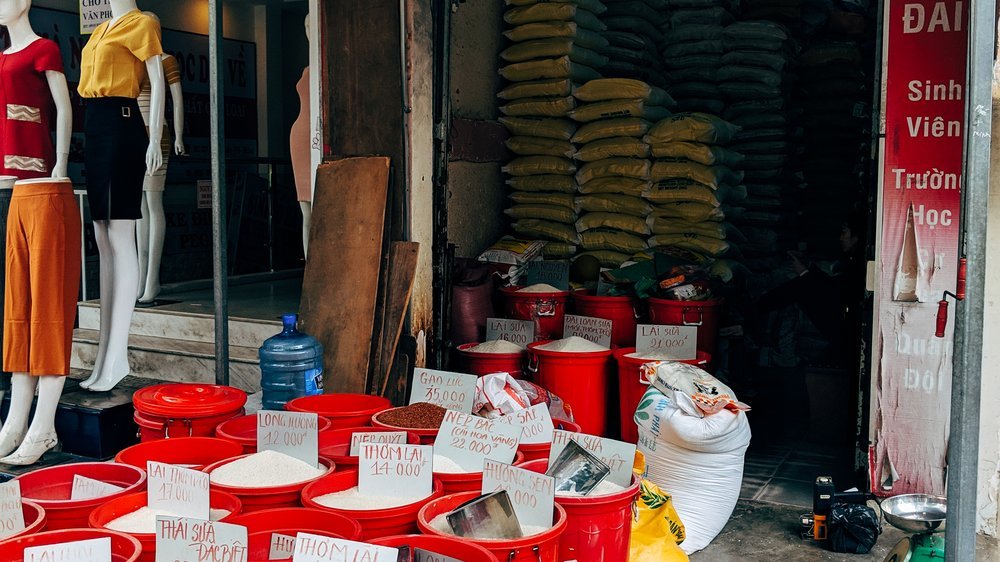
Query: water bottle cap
point(289, 320)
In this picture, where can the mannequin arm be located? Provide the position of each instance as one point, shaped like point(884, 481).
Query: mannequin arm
point(64, 121)
point(177, 97)
point(157, 103)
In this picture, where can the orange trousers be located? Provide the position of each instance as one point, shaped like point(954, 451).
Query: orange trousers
point(43, 277)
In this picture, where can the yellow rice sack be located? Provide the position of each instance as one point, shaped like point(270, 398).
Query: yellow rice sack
point(657, 529)
point(687, 211)
point(539, 146)
point(545, 212)
point(712, 176)
point(553, 11)
point(557, 88)
point(670, 191)
point(537, 165)
point(698, 152)
point(616, 221)
point(623, 89)
point(547, 182)
point(607, 258)
point(561, 67)
point(539, 107)
point(623, 167)
point(695, 127)
point(582, 36)
point(616, 147)
point(611, 203)
point(625, 186)
point(604, 129)
point(707, 229)
point(543, 198)
point(690, 241)
point(593, 6)
point(612, 240)
point(558, 250)
point(614, 109)
point(553, 47)
point(559, 129)
point(548, 230)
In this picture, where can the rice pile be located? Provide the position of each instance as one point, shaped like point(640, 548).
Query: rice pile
point(143, 520)
point(440, 524)
point(540, 288)
point(352, 499)
point(496, 346)
point(572, 344)
point(264, 469)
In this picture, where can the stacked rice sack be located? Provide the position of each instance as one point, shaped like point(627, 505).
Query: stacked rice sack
point(554, 48)
point(635, 39)
point(693, 183)
point(613, 165)
point(692, 53)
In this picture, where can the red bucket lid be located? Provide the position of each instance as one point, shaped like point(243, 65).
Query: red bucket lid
point(188, 400)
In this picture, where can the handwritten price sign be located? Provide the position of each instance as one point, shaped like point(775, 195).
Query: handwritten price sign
point(360, 438)
point(679, 343)
point(402, 471)
point(453, 391)
point(87, 488)
point(93, 550)
point(597, 330)
point(521, 332)
point(179, 491)
point(468, 440)
point(535, 423)
point(11, 514)
point(420, 555)
point(182, 539)
point(531, 494)
point(281, 547)
point(617, 455)
point(555, 273)
point(314, 548)
point(292, 433)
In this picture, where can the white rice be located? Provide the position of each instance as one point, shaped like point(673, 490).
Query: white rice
point(496, 346)
point(143, 520)
point(445, 465)
point(605, 488)
point(539, 288)
point(351, 499)
point(651, 356)
point(440, 523)
point(264, 469)
point(572, 344)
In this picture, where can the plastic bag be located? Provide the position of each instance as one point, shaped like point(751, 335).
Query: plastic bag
point(544, 212)
point(553, 47)
point(607, 258)
point(625, 186)
point(656, 527)
point(543, 198)
point(584, 37)
point(691, 389)
point(612, 203)
point(553, 11)
point(615, 221)
point(550, 230)
point(561, 67)
point(594, 6)
point(712, 176)
point(618, 167)
point(499, 394)
point(615, 241)
point(698, 152)
point(853, 528)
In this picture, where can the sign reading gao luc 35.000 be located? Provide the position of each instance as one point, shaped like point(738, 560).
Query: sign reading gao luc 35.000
point(924, 112)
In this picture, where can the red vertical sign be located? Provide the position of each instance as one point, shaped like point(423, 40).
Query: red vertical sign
point(924, 111)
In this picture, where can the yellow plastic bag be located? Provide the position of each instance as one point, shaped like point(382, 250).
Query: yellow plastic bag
point(699, 152)
point(696, 127)
point(547, 182)
point(543, 198)
point(656, 527)
point(616, 147)
point(622, 89)
point(615, 221)
point(625, 186)
point(621, 167)
point(561, 67)
point(545, 212)
point(604, 129)
point(548, 230)
point(612, 203)
point(527, 126)
point(539, 146)
point(539, 107)
point(560, 87)
point(537, 165)
point(615, 109)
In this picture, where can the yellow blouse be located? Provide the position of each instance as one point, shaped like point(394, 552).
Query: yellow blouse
point(113, 61)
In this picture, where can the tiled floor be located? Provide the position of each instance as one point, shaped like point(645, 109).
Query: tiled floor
point(264, 300)
point(785, 473)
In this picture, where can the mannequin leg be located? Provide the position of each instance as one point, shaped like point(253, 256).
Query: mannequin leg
point(306, 207)
point(153, 201)
point(22, 393)
point(142, 243)
point(125, 269)
point(41, 434)
point(107, 270)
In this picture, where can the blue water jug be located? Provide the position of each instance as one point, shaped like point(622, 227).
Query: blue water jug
point(291, 365)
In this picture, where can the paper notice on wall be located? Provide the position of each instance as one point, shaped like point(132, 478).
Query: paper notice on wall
point(93, 13)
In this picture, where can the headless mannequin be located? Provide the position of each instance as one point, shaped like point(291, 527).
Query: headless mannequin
point(299, 140)
point(116, 246)
point(151, 228)
point(21, 443)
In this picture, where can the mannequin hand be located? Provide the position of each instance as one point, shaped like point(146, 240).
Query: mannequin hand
point(154, 158)
point(61, 168)
point(179, 146)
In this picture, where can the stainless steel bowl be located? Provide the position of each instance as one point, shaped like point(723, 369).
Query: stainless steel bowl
point(916, 513)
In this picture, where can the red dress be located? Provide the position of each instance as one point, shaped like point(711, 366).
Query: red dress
point(26, 108)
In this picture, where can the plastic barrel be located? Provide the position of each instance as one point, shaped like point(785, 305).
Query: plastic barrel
point(581, 379)
point(305, 519)
point(375, 523)
point(455, 482)
point(451, 547)
point(335, 444)
point(703, 314)
point(34, 519)
point(427, 436)
point(597, 527)
point(343, 410)
point(543, 547)
point(624, 313)
point(535, 451)
point(631, 388)
point(243, 430)
point(191, 452)
point(266, 497)
point(291, 365)
point(485, 363)
point(123, 547)
point(185, 409)
point(259, 549)
point(51, 487)
point(109, 511)
point(546, 310)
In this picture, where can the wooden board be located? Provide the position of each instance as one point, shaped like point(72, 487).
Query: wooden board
point(399, 287)
point(340, 285)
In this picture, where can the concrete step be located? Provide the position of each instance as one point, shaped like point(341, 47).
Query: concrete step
point(173, 360)
point(181, 325)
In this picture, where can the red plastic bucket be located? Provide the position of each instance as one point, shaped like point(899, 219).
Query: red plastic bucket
point(123, 547)
point(191, 452)
point(535, 451)
point(243, 430)
point(624, 313)
point(455, 482)
point(543, 547)
point(451, 547)
point(703, 314)
point(335, 444)
point(375, 523)
point(34, 519)
point(260, 542)
point(427, 436)
point(266, 497)
point(109, 511)
point(185, 409)
point(305, 519)
point(343, 410)
point(480, 364)
point(546, 310)
point(51, 487)
point(583, 380)
point(597, 528)
point(152, 428)
point(631, 388)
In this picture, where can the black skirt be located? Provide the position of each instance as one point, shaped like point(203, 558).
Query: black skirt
point(116, 142)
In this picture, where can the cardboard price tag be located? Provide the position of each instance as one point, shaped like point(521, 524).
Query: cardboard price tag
point(179, 539)
point(535, 423)
point(468, 440)
point(679, 343)
point(359, 438)
point(521, 332)
point(554, 272)
point(421, 555)
point(314, 548)
point(402, 471)
point(11, 513)
point(179, 491)
point(453, 391)
point(597, 330)
point(92, 550)
point(86, 488)
point(282, 546)
point(292, 433)
point(532, 494)
point(617, 455)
